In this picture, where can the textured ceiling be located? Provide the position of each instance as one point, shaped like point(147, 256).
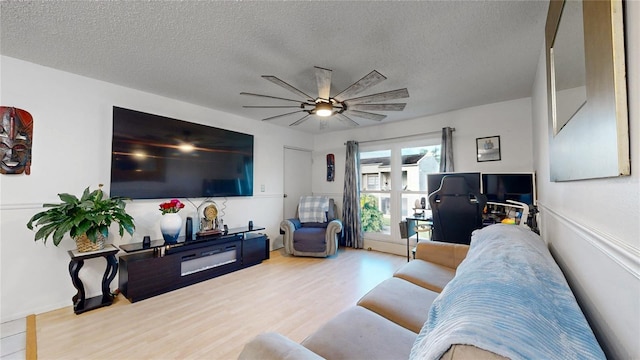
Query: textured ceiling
point(449, 54)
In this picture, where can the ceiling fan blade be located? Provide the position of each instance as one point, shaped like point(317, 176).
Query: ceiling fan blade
point(383, 96)
point(300, 121)
point(270, 97)
point(366, 115)
point(379, 107)
point(273, 107)
point(279, 82)
point(346, 120)
point(323, 78)
point(359, 86)
point(281, 115)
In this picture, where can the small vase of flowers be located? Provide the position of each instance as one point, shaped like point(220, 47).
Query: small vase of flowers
point(171, 222)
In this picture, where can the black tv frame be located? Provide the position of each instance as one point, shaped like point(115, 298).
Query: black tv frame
point(510, 195)
point(148, 162)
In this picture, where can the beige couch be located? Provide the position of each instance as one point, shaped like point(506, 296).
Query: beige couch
point(385, 322)
point(508, 296)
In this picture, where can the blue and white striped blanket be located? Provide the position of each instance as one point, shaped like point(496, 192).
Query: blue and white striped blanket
point(313, 209)
point(509, 297)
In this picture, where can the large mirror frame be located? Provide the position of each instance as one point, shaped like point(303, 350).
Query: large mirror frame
point(594, 143)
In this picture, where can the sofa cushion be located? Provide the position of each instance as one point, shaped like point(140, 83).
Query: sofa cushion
point(445, 254)
point(268, 346)
point(400, 301)
point(313, 208)
point(315, 225)
point(466, 352)
point(428, 275)
point(309, 239)
point(358, 333)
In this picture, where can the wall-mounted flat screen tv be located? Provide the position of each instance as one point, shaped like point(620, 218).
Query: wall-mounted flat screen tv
point(155, 157)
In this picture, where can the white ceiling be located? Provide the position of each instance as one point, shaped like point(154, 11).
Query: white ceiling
point(449, 54)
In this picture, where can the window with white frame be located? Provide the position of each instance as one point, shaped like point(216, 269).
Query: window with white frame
point(373, 182)
point(394, 176)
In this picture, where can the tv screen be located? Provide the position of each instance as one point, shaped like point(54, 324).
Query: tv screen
point(502, 187)
point(158, 157)
point(472, 178)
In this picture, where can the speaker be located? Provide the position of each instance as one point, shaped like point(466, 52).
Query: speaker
point(146, 242)
point(188, 230)
point(250, 225)
point(423, 203)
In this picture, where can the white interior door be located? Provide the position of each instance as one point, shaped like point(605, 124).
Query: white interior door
point(297, 178)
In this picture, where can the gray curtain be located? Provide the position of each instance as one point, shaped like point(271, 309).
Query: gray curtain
point(351, 221)
point(446, 156)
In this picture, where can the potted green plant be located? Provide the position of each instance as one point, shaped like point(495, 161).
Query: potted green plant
point(87, 219)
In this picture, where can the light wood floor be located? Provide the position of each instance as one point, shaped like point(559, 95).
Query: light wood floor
point(215, 318)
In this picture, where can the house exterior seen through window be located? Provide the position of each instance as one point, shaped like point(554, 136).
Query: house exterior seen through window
point(373, 182)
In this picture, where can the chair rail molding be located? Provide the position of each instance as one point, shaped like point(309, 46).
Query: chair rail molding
point(24, 206)
point(329, 194)
point(625, 255)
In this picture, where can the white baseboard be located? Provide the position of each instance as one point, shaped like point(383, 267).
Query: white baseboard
point(387, 247)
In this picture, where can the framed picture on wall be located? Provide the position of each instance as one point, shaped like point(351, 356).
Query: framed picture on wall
point(488, 148)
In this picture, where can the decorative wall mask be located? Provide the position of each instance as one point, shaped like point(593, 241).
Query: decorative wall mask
point(16, 136)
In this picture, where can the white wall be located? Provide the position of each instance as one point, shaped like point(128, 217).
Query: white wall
point(72, 150)
point(511, 120)
point(592, 226)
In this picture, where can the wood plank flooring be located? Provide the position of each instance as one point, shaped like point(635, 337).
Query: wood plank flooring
point(214, 319)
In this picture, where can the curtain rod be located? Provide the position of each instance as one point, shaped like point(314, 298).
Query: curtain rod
point(403, 137)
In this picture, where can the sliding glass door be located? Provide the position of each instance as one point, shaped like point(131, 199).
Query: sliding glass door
point(394, 176)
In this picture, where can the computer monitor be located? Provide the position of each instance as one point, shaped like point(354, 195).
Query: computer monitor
point(472, 179)
point(500, 187)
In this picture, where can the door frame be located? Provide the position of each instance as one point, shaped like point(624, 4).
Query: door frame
point(284, 168)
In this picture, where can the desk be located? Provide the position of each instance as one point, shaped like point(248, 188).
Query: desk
point(413, 224)
point(80, 303)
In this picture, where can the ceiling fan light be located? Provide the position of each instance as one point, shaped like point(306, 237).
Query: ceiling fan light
point(186, 148)
point(324, 109)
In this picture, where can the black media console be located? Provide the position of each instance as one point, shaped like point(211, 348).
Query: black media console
point(160, 268)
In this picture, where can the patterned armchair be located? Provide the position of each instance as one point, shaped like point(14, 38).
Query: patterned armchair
point(315, 230)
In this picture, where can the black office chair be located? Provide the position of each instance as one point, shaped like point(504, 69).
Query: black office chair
point(457, 210)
